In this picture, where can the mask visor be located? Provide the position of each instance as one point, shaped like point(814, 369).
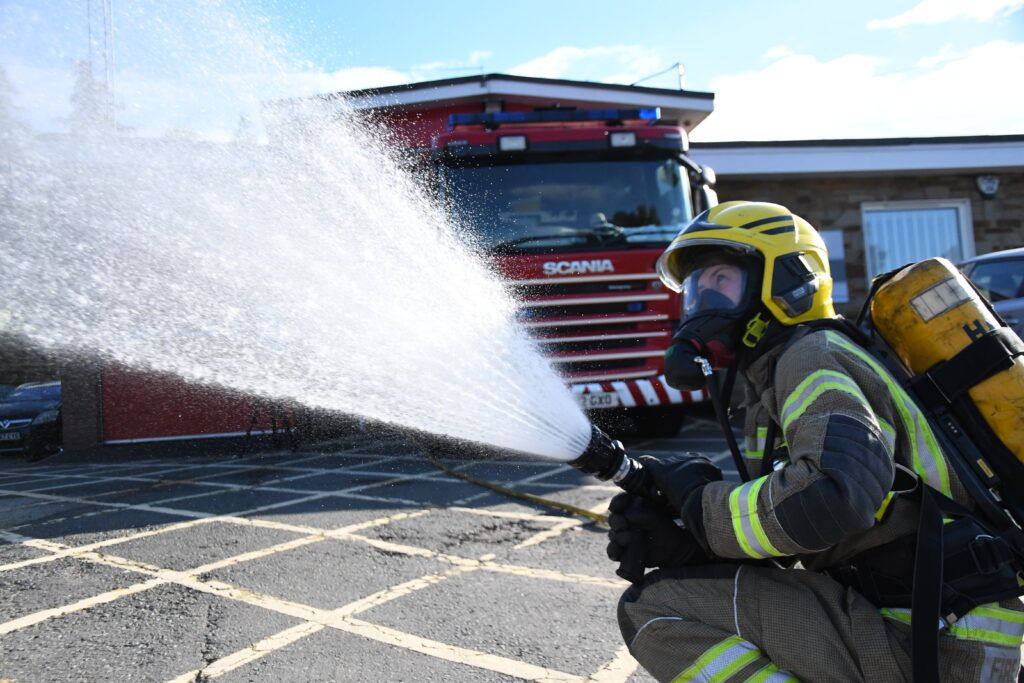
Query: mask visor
point(717, 287)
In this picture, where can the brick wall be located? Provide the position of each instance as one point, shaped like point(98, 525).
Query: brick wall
point(834, 203)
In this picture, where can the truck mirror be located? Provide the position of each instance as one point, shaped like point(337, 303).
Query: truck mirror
point(708, 175)
point(708, 197)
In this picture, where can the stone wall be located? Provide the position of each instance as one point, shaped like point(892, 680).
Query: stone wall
point(834, 203)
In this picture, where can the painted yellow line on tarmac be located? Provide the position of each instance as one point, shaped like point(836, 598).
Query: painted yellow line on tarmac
point(554, 531)
point(250, 654)
point(552, 575)
point(558, 530)
point(257, 554)
point(452, 653)
point(322, 617)
point(505, 514)
point(62, 551)
point(401, 590)
point(290, 635)
point(616, 670)
point(102, 598)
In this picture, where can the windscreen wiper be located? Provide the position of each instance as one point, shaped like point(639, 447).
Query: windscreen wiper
point(549, 234)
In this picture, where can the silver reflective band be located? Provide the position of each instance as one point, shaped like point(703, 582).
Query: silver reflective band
point(625, 465)
point(705, 366)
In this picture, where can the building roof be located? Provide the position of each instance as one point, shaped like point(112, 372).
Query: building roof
point(976, 153)
point(687, 107)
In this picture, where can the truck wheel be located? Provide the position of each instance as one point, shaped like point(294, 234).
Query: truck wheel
point(660, 423)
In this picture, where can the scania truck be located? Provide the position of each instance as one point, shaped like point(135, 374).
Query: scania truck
point(574, 206)
point(573, 188)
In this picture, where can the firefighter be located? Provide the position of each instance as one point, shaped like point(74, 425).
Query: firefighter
point(834, 447)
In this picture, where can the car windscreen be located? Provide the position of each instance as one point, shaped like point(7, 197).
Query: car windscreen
point(579, 205)
point(44, 392)
point(999, 280)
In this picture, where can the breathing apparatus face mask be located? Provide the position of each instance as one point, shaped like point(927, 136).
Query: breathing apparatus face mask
point(715, 296)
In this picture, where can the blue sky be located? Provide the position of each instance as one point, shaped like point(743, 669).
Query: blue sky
point(781, 70)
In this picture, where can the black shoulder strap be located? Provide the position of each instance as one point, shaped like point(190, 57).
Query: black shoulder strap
point(927, 591)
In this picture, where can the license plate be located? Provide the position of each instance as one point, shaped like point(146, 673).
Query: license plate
point(10, 436)
point(599, 400)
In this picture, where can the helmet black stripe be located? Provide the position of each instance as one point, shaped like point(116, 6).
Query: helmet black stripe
point(766, 221)
point(779, 230)
point(702, 226)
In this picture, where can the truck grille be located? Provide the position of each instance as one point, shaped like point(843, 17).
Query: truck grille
point(607, 325)
point(525, 291)
point(541, 313)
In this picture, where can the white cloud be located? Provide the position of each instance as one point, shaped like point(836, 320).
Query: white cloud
point(941, 11)
point(608, 64)
point(801, 97)
point(777, 52)
point(444, 68)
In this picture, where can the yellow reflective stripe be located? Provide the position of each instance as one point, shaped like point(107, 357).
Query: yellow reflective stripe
point(991, 624)
point(1002, 613)
point(987, 623)
point(880, 512)
point(755, 445)
point(772, 674)
point(993, 637)
point(816, 384)
point(897, 613)
point(735, 665)
point(926, 458)
point(720, 662)
point(746, 523)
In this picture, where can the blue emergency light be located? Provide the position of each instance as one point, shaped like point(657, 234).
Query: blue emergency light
point(553, 116)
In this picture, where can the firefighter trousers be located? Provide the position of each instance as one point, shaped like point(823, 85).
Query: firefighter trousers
point(735, 623)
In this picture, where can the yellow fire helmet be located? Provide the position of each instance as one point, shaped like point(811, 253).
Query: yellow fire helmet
point(797, 284)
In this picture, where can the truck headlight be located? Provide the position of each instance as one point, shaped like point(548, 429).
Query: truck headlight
point(622, 139)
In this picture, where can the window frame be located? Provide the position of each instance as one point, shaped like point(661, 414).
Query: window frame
point(964, 219)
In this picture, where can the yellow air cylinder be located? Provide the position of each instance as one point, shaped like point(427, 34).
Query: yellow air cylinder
point(927, 313)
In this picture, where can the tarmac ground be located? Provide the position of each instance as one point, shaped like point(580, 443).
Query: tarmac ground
point(355, 560)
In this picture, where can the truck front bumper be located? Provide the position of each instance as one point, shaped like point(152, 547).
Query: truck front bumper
point(633, 393)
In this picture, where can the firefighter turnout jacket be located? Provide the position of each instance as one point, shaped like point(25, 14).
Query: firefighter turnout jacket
point(845, 427)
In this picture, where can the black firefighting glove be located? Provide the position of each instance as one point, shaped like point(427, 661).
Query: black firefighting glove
point(644, 535)
point(681, 480)
point(679, 476)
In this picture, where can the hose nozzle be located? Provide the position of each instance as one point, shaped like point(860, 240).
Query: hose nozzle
point(606, 459)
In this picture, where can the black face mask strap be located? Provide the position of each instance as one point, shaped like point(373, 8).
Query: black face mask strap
point(722, 414)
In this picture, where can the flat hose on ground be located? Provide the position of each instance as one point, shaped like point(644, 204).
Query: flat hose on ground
point(512, 493)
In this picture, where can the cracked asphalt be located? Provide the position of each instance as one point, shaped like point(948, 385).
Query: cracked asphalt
point(351, 561)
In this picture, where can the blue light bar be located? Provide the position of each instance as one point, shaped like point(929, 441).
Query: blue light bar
point(553, 116)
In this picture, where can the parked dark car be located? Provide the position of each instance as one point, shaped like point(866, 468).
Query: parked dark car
point(30, 419)
point(1000, 277)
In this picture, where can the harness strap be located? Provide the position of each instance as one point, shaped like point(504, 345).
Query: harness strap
point(927, 591)
point(987, 355)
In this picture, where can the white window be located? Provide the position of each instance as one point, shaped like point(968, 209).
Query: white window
point(897, 233)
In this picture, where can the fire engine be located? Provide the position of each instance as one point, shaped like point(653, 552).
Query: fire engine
point(575, 206)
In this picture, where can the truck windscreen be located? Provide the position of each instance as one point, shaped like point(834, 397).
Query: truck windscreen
point(570, 206)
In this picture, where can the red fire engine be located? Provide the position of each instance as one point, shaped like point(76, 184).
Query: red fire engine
point(576, 205)
point(574, 188)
